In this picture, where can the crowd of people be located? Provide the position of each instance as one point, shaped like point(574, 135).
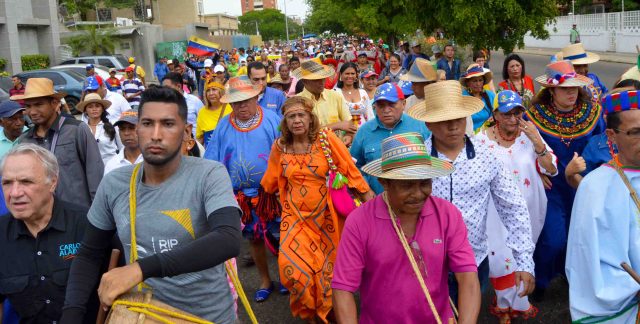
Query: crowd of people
point(407, 179)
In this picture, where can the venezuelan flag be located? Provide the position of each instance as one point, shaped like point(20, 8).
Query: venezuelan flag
point(201, 47)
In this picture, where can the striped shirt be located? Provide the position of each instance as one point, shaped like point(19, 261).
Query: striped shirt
point(130, 86)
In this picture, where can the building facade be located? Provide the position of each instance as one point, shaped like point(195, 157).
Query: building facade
point(250, 5)
point(28, 27)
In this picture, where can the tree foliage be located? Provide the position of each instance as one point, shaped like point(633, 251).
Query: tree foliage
point(82, 6)
point(96, 41)
point(271, 24)
point(481, 23)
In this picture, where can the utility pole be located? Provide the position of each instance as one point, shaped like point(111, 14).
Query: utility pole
point(286, 20)
point(257, 31)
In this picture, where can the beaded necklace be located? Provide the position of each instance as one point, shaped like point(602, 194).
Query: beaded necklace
point(565, 123)
point(248, 123)
point(504, 138)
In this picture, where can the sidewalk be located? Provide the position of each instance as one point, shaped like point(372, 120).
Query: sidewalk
point(626, 58)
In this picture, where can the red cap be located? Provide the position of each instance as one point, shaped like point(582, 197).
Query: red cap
point(129, 69)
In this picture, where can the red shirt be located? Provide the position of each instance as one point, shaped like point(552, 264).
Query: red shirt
point(14, 92)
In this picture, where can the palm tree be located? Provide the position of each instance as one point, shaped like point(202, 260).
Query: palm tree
point(77, 45)
point(98, 41)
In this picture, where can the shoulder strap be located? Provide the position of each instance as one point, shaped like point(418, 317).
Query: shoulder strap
point(133, 255)
point(632, 192)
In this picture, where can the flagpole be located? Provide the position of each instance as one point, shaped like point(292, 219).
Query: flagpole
point(286, 21)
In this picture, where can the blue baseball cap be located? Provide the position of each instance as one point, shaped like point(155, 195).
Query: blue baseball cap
point(507, 100)
point(9, 108)
point(405, 86)
point(368, 73)
point(89, 67)
point(389, 92)
point(92, 83)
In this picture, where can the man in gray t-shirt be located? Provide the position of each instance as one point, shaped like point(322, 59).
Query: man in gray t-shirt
point(187, 222)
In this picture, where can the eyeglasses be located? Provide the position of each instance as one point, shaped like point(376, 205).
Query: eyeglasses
point(633, 133)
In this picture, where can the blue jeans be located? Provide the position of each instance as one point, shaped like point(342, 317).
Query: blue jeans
point(483, 277)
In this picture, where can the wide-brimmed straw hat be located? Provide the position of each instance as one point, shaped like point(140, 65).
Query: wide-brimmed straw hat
point(577, 55)
point(562, 74)
point(405, 157)
point(444, 101)
point(38, 88)
point(421, 70)
point(312, 70)
point(475, 70)
point(91, 98)
point(239, 90)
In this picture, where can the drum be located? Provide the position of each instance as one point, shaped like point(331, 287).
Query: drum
point(141, 308)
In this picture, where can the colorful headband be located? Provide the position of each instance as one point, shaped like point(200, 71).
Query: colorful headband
point(297, 108)
point(561, 78)
point(621, 101)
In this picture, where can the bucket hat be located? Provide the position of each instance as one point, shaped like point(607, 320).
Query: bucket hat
point(444, 101)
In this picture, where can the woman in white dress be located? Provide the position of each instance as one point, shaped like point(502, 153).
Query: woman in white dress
point(356, 99)
point(520, 147)
point(94, 110)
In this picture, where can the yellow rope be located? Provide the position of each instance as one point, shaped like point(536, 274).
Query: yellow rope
point(414, 265)
point(243, 297)
point(133, 257)
point(146, 308)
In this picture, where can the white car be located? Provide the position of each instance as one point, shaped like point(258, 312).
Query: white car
point(81, 69)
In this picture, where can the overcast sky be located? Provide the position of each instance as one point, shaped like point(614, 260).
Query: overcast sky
point(294, 7)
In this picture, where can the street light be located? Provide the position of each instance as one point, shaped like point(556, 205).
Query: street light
point(286, 20)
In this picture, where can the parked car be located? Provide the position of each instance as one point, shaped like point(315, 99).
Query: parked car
point(81, 69)
point(4, 95)
point(66, 81)
point(117, 61)
point(6, 83)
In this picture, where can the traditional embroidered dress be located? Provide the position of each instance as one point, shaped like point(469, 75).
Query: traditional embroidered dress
point(523, 164)
point(527, 93)
point(565, 133)
point(604, 232)
point(244, 151)
point(361, 111)
point(310, 228)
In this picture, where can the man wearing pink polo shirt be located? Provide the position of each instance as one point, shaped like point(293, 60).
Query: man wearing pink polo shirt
point(398, 248)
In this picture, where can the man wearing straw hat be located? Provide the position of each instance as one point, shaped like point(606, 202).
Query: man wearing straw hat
point(422, 73)
point(399, 248)
point(176, 216)
point(581, 60)
point(329, 106)
point(70, 140)
point(242, 143)
point(479, 176)
point(604, 230)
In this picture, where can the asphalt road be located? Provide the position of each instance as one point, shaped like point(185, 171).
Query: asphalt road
point(554, 309)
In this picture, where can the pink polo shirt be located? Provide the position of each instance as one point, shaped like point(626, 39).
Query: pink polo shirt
point(371, 259)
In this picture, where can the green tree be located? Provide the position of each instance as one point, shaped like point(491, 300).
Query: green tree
point(270, 24)
point(97, 41)
point(83, 6)
point(76, 43)
point(484, 24)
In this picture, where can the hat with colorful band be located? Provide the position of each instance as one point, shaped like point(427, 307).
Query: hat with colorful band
point(475, 70)
point(405, 157)
point(562, 74)
point(621, 101)
point(388, 91)
point(239, 90)
point(506, 101)
point(577, 55)
point(421, 70)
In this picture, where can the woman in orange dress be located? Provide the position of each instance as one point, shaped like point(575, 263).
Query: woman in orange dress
point(310, 227)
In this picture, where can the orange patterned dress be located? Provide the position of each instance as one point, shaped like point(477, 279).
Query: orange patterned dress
point(310, 228)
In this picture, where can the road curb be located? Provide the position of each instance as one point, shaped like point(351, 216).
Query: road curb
point(626, 59)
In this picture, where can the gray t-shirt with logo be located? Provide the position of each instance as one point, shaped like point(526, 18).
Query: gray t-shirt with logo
point(167, 216)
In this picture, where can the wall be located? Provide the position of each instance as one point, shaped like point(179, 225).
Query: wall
point(605, 32)
point(28, 40)
point(175, 14)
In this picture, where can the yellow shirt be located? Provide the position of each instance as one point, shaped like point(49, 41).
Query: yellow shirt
point(139, 70)
point(330, 107)
point(208, 119)
point(242, 71)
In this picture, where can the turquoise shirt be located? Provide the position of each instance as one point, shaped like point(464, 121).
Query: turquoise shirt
point(367, 145)
point(481, 116)
point(5, 143)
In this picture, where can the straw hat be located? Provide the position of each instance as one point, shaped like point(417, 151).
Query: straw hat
point(633, 73)
point(405, 157)
point(312, 70)
point(90, 98)
point(562, 74)
point(444, 101)
point(421, 70)
point(475, 70)
point(239, 90)
point(38, 88)
point(276, 79)
point(577, 55)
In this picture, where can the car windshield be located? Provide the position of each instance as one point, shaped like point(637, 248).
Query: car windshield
point(75, 75)
point(122, 59)
point(6, 83)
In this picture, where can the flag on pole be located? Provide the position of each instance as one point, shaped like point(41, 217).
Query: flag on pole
point(201, 47)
